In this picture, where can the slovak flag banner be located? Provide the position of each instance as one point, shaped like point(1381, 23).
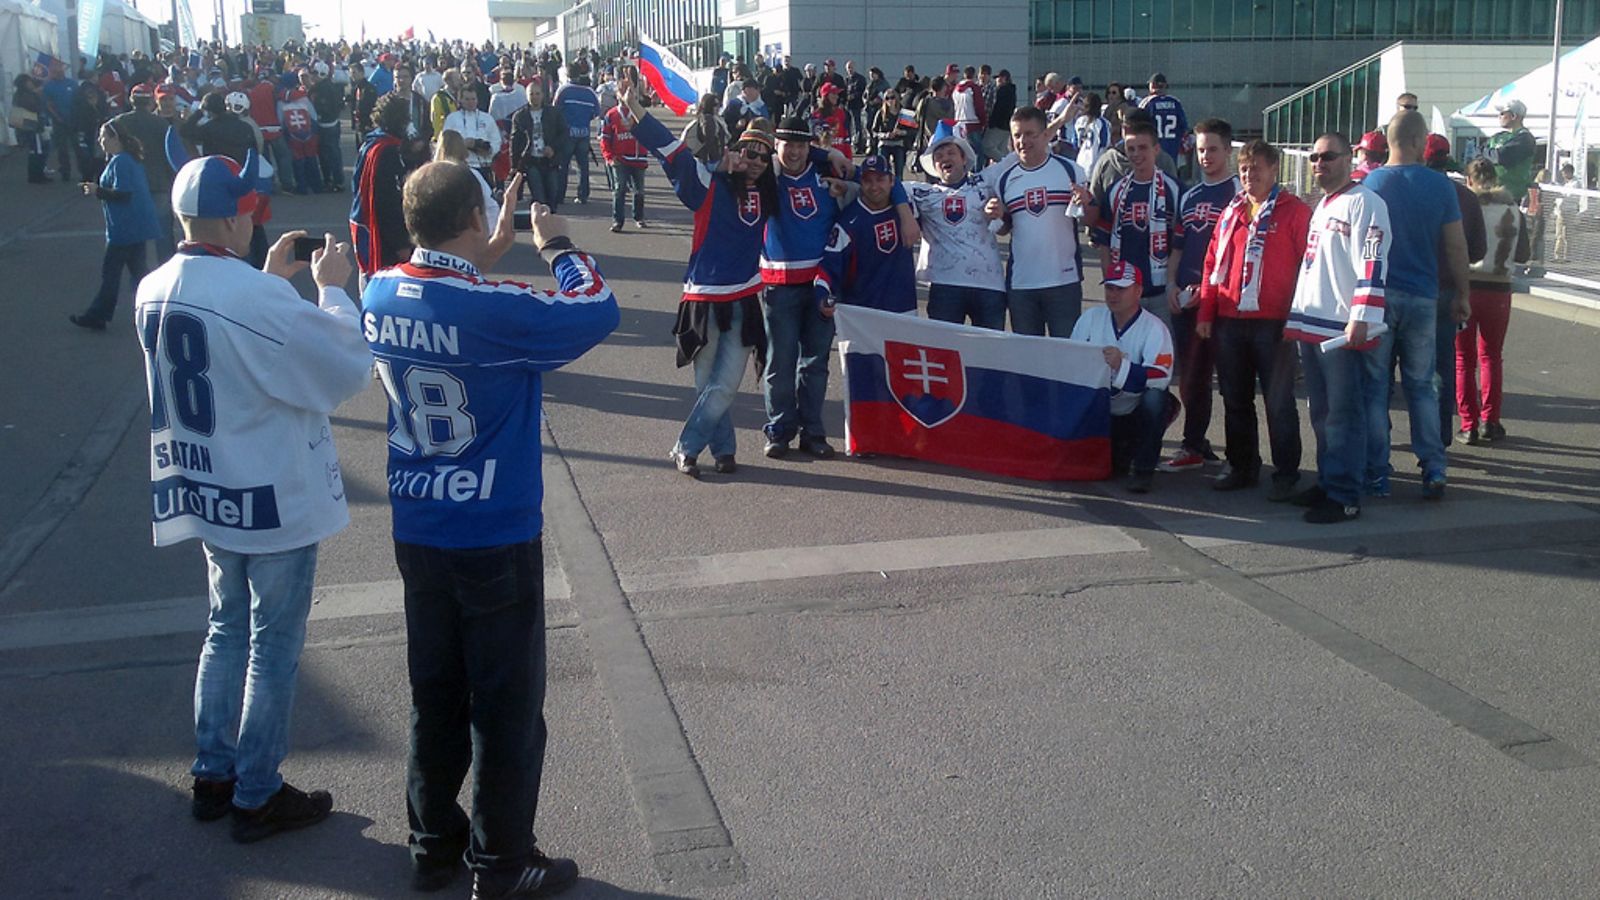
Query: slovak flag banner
point(1025, 407)
point(668, 76)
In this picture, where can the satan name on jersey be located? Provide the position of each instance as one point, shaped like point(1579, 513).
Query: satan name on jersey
point(409, 334)
point(183, 454)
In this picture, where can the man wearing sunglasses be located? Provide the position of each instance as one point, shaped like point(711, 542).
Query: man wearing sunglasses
point(1513, 150)
point(1340, 294)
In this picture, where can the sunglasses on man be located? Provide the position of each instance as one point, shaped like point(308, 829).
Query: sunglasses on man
point(757, 155)
point(1330, 156)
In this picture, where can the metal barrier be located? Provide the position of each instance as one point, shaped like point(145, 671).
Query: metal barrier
point(1566, 236)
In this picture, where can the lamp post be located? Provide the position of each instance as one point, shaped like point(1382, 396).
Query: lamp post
point(1555, 91)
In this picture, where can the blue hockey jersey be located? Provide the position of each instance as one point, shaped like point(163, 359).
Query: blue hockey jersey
point(1198, 212)
point(729, 223)
point(1172, 126)
point(460, 358)
point(799, 231)
point(867, 262)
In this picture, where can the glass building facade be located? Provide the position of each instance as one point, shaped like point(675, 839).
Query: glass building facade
point(1342, 103)
point(1438, 21)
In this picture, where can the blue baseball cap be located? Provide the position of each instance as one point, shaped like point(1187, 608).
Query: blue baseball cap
point(877, 164)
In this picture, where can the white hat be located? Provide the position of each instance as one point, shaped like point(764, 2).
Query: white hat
point(237, 102)
point(944, 133)
point(1515, 107)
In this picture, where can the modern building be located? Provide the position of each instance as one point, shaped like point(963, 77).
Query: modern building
point(1223, 57)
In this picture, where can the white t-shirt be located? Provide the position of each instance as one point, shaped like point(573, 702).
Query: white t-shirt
point(1146, 347)
point(1044, 239)
point(476, 125)
point(504, 102)
point(957, 246)
point(427, 84)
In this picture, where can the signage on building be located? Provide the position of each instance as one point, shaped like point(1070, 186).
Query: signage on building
point(272, 7)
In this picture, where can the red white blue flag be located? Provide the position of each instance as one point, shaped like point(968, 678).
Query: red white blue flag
point(672, 81)
point(1026, 407)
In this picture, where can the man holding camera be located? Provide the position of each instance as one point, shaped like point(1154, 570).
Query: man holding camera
point(465, 490)
point(242, 374)
point(479, 130)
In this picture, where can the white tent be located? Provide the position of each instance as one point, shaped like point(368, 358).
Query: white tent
point(124, 29)
point(25, 32)
point(1580, 77)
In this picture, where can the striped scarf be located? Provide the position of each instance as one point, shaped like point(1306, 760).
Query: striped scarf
point(1159, 203)
point(1255, 246)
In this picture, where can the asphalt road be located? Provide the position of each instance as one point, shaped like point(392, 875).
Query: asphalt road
point(834, 679)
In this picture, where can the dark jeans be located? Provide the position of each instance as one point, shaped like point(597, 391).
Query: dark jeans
point(117, 258)
point(330, 157)
point(37, 147)
point(1249, 351)
point(1035, 309)
point(954, 303)
point(627, 177)
point(65, 139)
point(1136, 436)
point(543, 184)
point(577, 152)
point(897, 158)
point(475, 651)
point(1196, 362)
point(795, 383)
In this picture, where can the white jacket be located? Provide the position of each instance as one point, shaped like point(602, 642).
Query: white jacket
point(476, 125)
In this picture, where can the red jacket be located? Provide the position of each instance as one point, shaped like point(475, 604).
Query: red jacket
point(617, 143)
point(1280, 264)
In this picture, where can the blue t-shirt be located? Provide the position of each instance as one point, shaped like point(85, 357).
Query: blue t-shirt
point(132, 220)
point(382, 80)
point(1199, 210)
point(60, 92)
point(867, 262)
point(1421, 201)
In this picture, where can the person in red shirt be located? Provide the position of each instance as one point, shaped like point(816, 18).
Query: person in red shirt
point(263, 96)
point(1246, 289)
point(831, 119)
point(627, 159)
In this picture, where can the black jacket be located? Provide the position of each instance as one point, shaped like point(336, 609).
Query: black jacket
point(224, 135)
point(554, 127)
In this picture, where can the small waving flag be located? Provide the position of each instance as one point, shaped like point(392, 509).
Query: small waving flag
point(908, 118)
point(668, 76)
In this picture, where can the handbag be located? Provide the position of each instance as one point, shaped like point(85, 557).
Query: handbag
point(23, 119)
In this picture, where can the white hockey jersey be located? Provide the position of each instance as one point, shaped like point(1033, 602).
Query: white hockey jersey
point(242, 373)
point(1146, 347)
point(1347, 254)
point(958, 248)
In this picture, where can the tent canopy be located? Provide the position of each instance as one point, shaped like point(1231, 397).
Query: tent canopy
point(25, 32)
point(1580, 75)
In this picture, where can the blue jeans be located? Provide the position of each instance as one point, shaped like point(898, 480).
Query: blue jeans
point(1033, 310)
point(282, 161)
point(166, 245)
point(1413, 322)
point(627, 177)
point(577, 152)
point(475, 653)
point(1136, 436)
point(795, 382)
point(718, 369)
point(954, 303)
point(1340, 387)
point(544, 185)
point(244, 688)
point(118, 257)
point(330, 156)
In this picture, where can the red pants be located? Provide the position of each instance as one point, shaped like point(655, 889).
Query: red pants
point(1479, 344)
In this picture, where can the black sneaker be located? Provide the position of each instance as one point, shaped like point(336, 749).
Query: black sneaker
point(542, 877)
point(639, 223)
point(1309, 497)
point(817, 447)
point(684, 463)
point(288, 809)
point(1139, 482)
point(86, 322)
point(725, 465)
point(433, 876)
point(1330, 511)
point(1468, 436)
point(776, 449)
point(1494, 431)
point(1282, 490)
point(211, 799)
point(1236, 480)
point(616, 227)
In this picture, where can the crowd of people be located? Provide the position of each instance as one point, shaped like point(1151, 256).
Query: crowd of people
point(802, 201)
